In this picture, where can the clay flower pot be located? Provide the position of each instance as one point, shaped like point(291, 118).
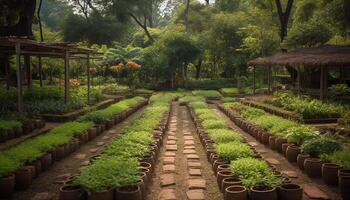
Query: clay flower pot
point(230, 181)
point(330, 173)
point(106, 195)
point(23, 178)
point(344, 186)
point(217, 163)
point(258, 193)
point(292, 153)
point(313, 167)
point(60, 152)
point(69, 192)
point(272, 142)
point(278, 143)
point(224, 167)
point(300, 160)
point(284, 148)
point(7, 186)
point(236, 193)
point(46, 161)
point(221, 175)
point(265, 138)
point(290, 192)
point(128, 193)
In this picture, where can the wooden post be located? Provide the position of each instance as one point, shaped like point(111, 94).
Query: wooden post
point(40, 71)
point(88, 78)
point(325, 83)
point(19, 79)
point(7, 71)
point(28, 70)
point(298, 79)
point(66, 77)
point(254, 83)
point(269, 79)
point(322, 83)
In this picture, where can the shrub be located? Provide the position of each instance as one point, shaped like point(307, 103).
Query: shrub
point(214, 124)
point(230, 92)
point(208, 94)
point(106, 174)
point(321, 145)
point(228, 100)
point(341, 158)
point(224, 136)
point(251, 113)
point(8, 165)
point(233, 151)
point(301, 133)
point(253, 172)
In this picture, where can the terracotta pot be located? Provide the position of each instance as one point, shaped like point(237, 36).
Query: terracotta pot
point(290, 192)
point(46, 161)
point(32, 170)
point(23, 178)
point(230, 181)
point(224, 167)
point(92, 132)
point(278, 143)
point(60, 153)
point(300, 160)
point(69, 192)
point(107, 195)
point(292, 153)
point(213, 158)
point(147, 176)
point(7, 186)
point(258, 193)
point(344, 172)
point(146, 165)
point(272, 144)
point(265, 138)
point(330, 173)
point(18, 131)
point(217, 163)
point(221, 175)
point(313, 167)
point(284, 148)
point(11, 134)
point(344, 186)
point(142, 186)
point(236, 193)
point(128, 193)
point(109, 124)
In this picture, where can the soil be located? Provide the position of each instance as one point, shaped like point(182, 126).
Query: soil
point(284, 165)
point(184, 127)
point(47, 185)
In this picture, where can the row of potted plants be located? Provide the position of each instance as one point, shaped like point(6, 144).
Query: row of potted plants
point(10, 129)
point(299, 143)
point(307, 107)
point(208, 94)
point(21, 163)
point(123, 169)
point(240, 172)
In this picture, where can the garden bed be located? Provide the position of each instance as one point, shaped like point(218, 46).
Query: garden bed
point(314, 154)
point(74, 115)
point(287, 114)
point(22, 163)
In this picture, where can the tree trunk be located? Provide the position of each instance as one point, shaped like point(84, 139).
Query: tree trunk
point(186, 15)
point(198, 68)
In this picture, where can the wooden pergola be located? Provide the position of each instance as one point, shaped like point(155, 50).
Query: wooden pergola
point(22, 46)
point(323, 58)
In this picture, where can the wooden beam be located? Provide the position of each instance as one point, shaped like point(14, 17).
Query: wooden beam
point(40, 71)
point(66, 78)
point(298, 80)
point(254, 81)
point(269, 78)
point(322, 83)
point(19, 79)
point(88, 78)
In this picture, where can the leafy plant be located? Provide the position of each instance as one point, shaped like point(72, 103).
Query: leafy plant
point(224, 136)
point(214, 124)
point(8, 165)
point(228, 100)
point(255, 172)
point(299, 134)
point(233, 150)
point(229, 92)
point(321, 145)
point(108, 173)
point(9, 124)
point(208, 94)
point(341, 158)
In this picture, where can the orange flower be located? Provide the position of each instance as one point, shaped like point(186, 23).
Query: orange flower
point(74, 82)
point(133, 65)
point(117, 68)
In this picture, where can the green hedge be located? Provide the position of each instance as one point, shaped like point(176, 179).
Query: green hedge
point(9, 124)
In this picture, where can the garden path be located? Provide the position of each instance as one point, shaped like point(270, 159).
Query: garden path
point(46, 186)
point(182, 170)
point(315, 187)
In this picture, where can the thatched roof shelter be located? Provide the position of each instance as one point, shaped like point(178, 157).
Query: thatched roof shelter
point(332, 56)
point(324, 57)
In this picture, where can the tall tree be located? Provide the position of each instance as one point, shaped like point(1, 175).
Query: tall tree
point(284, 17)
